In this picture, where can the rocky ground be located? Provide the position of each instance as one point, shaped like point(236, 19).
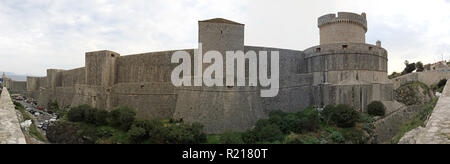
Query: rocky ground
point(414, 94)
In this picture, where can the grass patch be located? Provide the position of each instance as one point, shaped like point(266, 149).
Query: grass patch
point(213, 139)
point(417, 120)
point(34, 132)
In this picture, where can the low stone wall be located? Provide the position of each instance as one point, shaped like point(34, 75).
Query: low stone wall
point(428, 78)
point(10, 132)
point(387, 127)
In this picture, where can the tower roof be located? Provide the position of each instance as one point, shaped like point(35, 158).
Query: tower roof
point(221, 20)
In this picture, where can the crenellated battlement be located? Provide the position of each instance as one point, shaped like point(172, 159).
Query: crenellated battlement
point(344, 17)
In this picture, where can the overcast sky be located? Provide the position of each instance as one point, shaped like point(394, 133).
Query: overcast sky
point(36, 35)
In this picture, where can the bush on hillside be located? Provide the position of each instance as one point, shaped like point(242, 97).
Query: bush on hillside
point(327, 113)
point(122, 117)
point(136, 135)
point(344, 116)
point(185, 134)
point(376, 108)
point(230, 137)
point(309, 120)
point(76, 114)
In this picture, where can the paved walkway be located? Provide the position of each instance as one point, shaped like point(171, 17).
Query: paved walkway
point(10, 132)
point(437, 130)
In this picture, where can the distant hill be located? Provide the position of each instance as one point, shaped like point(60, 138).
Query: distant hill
point(14, 76)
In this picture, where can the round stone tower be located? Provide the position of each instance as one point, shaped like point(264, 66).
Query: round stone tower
point(345, 28)
point(345, 69)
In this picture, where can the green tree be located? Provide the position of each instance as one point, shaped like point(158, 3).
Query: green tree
point(345, 116)
point(419, 67)
point(76, 114)
point(409, 68)
point(269, 133)
point(122, 117)
point(101, 117)
point(137, 135)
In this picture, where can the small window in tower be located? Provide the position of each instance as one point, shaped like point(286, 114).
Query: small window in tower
point(112, 55)
point(344, 46)
point(318, 49)
point(370, 48)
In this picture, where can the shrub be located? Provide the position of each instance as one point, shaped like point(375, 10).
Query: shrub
point(53, 107)
point(301, 139)
point(366, 118)
point(262, 123)
point(353, 136)
point(309, 120)
point(276, 119)
point(269, 133)
point(17, 105)
point(327, 113)
point(310, 140)
point(122, 117)
point(376, 108)
point(136, 134)
point(336, 137)
point(442, 83)
point(180, 135)
point(197, 130)
point(230, 137)
point(157, 133)
point(89, 115)
point(105, 131)
point(293, 139)
point(344, 116)
point(290, 123)
point(249, 137)
point(76, 114)
point(101, 117)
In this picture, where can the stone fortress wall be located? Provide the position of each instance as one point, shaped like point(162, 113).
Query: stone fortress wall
point(428, 78)
point(342, 69)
